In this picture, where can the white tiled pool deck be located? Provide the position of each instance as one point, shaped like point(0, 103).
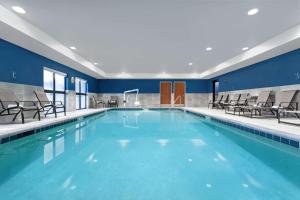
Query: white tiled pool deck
point(263, 124)
point(15, 128)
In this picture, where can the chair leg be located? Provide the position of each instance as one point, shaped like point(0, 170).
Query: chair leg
point(15, 117)
point(39, 115)
point(277, 113)
point(35, 115)
point(54, 110)
point(274, 113)
point(47, 111)
point(22, 116)
point(65, 110)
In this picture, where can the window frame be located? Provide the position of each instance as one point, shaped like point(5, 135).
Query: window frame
point(54, 91)
point(80, 93)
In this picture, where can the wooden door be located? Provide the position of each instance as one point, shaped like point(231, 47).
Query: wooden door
point(179, 93)
point(165, 92)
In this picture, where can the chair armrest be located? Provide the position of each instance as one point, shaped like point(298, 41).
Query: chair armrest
point(295, 105)
point(251, 100)
point(51, 102)
point(33, 102)
point(10, 101)
point(262, 103)
point(15, 102)
point(54, 102)
point(266, 104)
point(292, 105)
point(45, 101)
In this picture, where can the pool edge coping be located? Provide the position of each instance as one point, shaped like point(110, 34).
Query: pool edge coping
point(16, 134)
point(271, 134)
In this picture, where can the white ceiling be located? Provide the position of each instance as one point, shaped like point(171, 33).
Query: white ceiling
point(142, 36)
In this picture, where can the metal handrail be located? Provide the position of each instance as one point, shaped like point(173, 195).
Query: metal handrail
point(179, 97)
point(125, 100)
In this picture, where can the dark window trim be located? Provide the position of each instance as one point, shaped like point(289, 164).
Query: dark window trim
point(214, 88)
point(54, 91)
point(81, 94)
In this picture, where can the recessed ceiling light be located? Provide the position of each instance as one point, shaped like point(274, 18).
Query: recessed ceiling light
point(253, 11)
point(190, 64)
point(245, 48)
point(95, 63)
point(208, 49)
point(73, 48)
point(18, 9)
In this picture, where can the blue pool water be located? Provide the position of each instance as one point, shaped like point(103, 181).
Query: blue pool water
point(149, 155)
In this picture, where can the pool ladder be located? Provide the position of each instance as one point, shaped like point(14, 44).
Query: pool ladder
point(180, 101)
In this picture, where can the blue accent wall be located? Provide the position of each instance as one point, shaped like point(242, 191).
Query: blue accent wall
point(147, 85)
point(278, 71)
point(28, 67)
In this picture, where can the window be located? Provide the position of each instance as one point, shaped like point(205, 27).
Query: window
point(81, 91)
point(54, 85)
point(215, 89)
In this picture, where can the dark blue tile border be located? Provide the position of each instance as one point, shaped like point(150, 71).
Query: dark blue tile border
point(294, 143)
point(126, 109)
point(165, 109)
point(31, 132)
point(271, 136)
point(264, 134)
point(34, 131)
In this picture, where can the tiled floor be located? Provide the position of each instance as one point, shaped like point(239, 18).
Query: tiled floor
point(13, 129)
point(264, 124)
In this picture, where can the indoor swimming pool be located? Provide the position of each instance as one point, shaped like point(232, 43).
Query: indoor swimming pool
point(148, 154)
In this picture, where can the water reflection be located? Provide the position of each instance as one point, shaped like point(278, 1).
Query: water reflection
point(253, 181)
point(48, 152)
point(123, 143)
point(130, 121)
point(91, 158)
point(79, 133)
point(220, 156)
point(59, 146)
point(197, 142)
point(163, 142)
point(67, 184)
point(217, 133)
point(52, 148)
